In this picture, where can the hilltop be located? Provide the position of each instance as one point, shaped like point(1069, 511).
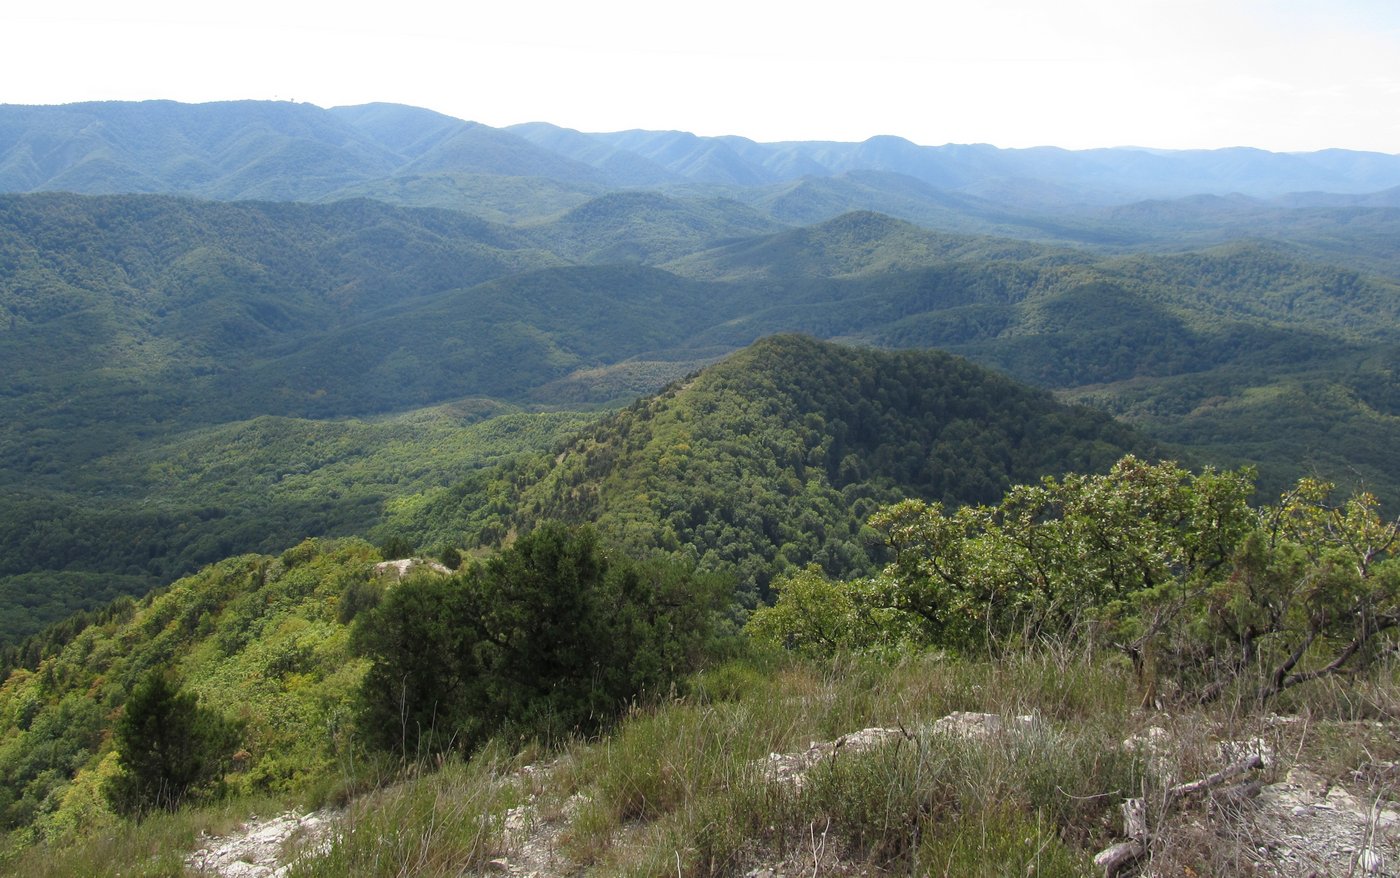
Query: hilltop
point(773, 459)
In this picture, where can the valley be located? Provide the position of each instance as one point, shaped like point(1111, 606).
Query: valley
point(252, 349)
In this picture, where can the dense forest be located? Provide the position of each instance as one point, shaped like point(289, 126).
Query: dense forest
point(755, 467)
point(141, 328)
point(375, 459)
point(272, 675)
point(774, 458)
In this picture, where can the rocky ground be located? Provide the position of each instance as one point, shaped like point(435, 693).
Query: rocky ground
point(1306, 826)
point(1301, 825)
point(262, 848)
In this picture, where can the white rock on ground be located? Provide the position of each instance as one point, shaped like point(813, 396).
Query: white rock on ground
point(965, 724)
point(397, 570)
point(792, 768)
point(260, 848)
point(1309, 827)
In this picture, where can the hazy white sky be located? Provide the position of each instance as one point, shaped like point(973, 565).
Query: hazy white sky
point(1278, 74)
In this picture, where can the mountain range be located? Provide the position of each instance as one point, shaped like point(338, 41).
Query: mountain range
point(326, 432)
point(290, 151)
point(408, 286)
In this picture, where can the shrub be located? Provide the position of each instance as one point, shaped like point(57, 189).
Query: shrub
point(169, 748)
point(1203, 593)
point(552, 636)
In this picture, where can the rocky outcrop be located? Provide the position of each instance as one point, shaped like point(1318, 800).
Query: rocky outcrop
point(263, 848)
point(403, 567)
point(1312, 827)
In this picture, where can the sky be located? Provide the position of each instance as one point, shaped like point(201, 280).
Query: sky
point(1283, 75)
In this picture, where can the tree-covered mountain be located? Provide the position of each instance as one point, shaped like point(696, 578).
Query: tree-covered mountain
point(433, 143)
point(444, 338)
point(768, 461)
point(140, 515)
point(841, 429)
point(773, 459)
point(1013, 176)
point(260, 640)
point(251, 149)
point(1338, 204)
point(1255, 350)
point(130, 311)
point(647, 227)
point(241, 149)
point(765, 462)
point(155, 315)
point(126, 322)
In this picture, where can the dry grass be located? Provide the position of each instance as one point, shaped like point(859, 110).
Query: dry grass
point(682, 788)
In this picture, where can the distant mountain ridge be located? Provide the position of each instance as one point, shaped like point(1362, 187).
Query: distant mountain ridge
point(440, 260)
point(239, 150)
point(288, 151)
point(1112, 175)
point(127, 315)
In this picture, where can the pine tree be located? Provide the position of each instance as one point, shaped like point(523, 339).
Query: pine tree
point(168, 746)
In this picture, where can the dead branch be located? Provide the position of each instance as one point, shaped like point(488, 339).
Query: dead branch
point(1117, 857)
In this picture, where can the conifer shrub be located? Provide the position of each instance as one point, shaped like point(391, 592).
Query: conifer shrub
point(551, 637)
point(169, 747)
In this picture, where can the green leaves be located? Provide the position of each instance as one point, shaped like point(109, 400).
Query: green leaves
point(1174, 569)
point(814, 616)
point(771, 461)
point(551, 636)
point(1054, 556)
point(169, 748)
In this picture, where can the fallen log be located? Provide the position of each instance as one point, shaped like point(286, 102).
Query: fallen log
point(1115, 858)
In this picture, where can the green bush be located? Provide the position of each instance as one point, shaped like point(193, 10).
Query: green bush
point(552, 636)
point(1203, 593)
point(169, 748)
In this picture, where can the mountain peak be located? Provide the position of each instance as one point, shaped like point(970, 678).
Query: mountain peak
point(800, 421)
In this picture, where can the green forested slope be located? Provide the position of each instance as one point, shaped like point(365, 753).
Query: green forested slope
point(767, 461)
point(139, 516)
point(773, 458)
point(128, 321)
point(518, 200)
point(503, 339)
point(125, 310)
point(275, 150)
point(1253, 351)
point(647, 227)
point(231, 149)
point(184, 381)
point(259, 639)
point(858, 243)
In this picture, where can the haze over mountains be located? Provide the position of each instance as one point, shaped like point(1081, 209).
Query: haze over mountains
point(739, 446)
point(325, 319)
point(288, 151)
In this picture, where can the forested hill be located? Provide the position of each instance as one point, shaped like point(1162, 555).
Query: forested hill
point(775, 457)
point(139, 331)
point(769, 460)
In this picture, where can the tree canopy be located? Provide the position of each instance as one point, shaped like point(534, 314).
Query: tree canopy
point(554, 635)
point(1175, 570)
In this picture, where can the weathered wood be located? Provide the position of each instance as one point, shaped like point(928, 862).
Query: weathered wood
point(1237, 795)
point(1250, 762)
point(1112, 860)
point(1135, 819)
point(1116, 857)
